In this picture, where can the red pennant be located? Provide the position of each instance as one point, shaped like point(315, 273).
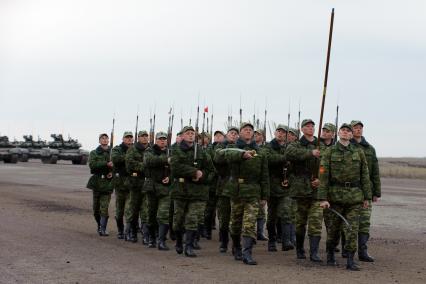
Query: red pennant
point(206, 109)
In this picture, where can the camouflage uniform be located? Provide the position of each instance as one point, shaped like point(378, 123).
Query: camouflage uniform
point(101, 186)
point(210, 212)
point(136, 170)
point(120, 177)
point(305, 167)
point(189, 196)
point(345, 183)
point(247, 185)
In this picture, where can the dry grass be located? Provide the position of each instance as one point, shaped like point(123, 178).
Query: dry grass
point(403, 167)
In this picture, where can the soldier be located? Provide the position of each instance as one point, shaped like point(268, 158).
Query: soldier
point(304, 184)
point(173, 148)
point(345, 184)
point(292, 137)
point(224, 202)
point(120, 177)
point(157, 188)
point(247, 186)
point(189, 189)
point(373, 169)
point(280, 203)
point(258, 137)
point(100, 182)
point(136, 169)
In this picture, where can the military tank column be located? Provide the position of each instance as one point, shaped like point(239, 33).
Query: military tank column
point(69, 150)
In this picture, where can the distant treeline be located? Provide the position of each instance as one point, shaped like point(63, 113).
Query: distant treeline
point(403, 167)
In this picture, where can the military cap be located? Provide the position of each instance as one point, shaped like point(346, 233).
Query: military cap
point(306, 121)
point(329, 126)
point(294, 131)
point(281, 126)
point(161, 135)
point(356, 122)
point(187, 128)
point(102, 135)
point(142, 133)
point(259, 130)
point(206, 134)
point(233, 128)
point(127, 133)
point(346, 125)
point(245, 124)
point(179, 133)
point(218, 131)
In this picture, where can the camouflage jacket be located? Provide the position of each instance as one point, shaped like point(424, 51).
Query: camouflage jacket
point(120, 173)
point(135, 166)
point(373, 165)
point(279, 168)
point(222, 168)
point(184, 170)
point(98, 160)
point(344, 175)
point(304, 167)
point(157, 168)
point(248, 179)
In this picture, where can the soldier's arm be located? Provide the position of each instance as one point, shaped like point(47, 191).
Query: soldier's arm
point(180, 168)
point(97, 162)
point(117, 156)
point(264, 182)
point(275, 159)
point(376, 186)
point(296, 153)
point(324, 176)
point(219, 156)
point(132, 164)
point(150, 160)
point(365, 177)
point(208, 169)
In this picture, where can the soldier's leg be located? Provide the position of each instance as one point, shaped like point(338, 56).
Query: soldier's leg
point(236, 224)
point(171, 210)
point(352, 214)
point(179, 207)
point(271, 224)
point(104, 205)
point(143, 215)
point(284, 213)
point(315, 218)
point(251, 210)
point(293, 221)
point(261, 216)
point(193, 217)
point(120, 203)
point(327, 222)
point(163, 221)
point(131, 214)
point(151, 211)
point(96, 211)
point(209, 215)
point(224, 215)
point(364, 233)
point(333, 232)
point(201, 231)
point(303, 206)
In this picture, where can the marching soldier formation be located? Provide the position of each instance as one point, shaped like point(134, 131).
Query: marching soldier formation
point(173, 192)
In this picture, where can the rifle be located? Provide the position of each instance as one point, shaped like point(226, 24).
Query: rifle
point(203, 128)
point(284, 183)
point(111, 141)
point(264, 127)
point(196, 135)
point(337, 123)
point(169, 141)
point(241, 113)
point(136, 128)
point(211, 123)
point(298, 123)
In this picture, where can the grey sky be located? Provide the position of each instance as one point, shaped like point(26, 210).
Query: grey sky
point(66, 66)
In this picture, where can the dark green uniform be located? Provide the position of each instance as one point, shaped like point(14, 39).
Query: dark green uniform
point(100, 185)
point(210, 213)
point(327, 213)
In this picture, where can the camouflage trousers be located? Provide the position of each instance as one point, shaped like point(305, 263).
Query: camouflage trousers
point(280, 208)
point(209, 214)
point(224, 212)
point(309, 213)
point(101, 204)
point(365, 219)
point(122, 198)
point(243, 217)
point(188, 214)
point(261, 214)
point(351, 213)
point(158, 209)
point(137, 205)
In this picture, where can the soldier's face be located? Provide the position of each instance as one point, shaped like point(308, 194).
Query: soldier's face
point(143, 139)
point(357, 130)
point(189, 136)
point(128, 140)
point(104, 141)
point(219, 138)
point(327, 134)
point(280, 135)
point(232, 136)
point(291, 137)
point(178, 138)
point(258, 137)
point(161, 142)
point(308, 129)
point(247, 133)
point(345, 134)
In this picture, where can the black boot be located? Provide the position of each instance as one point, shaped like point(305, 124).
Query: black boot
point(172, 234)
point(351, 265)
point(313, 248)
point(127, 232)
point(224, 239)
point(179, 242)
point(189, 243)
point(336, 248)
point(272, 236)
point(236, 247)
point(145, 234)
point(98, 222)
point(293, 234)
point(202, 231)
point(195, 243)
point(260, 225)
point(286, 236)
point(279, 231)
point(331, 259)
point(362, 248)
point(162, 233)
point(208, 228)
point(104, 223)
point(343, 241)
point(134, 232)
point(120, 228)
point(300, 241)
point(247, 250)
point(151, 237)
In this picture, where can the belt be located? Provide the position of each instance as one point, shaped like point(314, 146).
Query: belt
point(346, 184)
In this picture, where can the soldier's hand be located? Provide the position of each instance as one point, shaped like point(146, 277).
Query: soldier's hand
point(248, 155)
point(165, 180)
point(316, 153)
point(169, 160)
point(315, 183)
point(198, 175)
point(376, 199)
point(109, 175)
point(365, 205)
point(324, 204)
point(109, 164)
point(262, 203)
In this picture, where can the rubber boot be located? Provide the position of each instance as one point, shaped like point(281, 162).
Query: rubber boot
point(247, 251)
point(195, 243)
point(145, 234)
point(98, 223)
point(286, 234)
point(272, 236)
point(331, 259)
point(236, 247)
point(162, 233)
point(224, 239)
point(120, 228)
point(362, 248)
point(343, 241)
point(351, 265)
point(127, 234)
point(104, 223)
point(151, 238)
point(179, 242)
point(313, 248)
point(189, 243)
point(300, 241)
point(260, 226)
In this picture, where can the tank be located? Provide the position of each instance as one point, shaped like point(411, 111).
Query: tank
point(9, 153)
point(69, 150)
point(39, 150)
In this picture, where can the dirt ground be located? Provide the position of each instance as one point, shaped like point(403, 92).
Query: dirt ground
point(48, 235)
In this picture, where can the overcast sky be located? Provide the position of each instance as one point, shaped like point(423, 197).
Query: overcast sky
point(67, 66)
